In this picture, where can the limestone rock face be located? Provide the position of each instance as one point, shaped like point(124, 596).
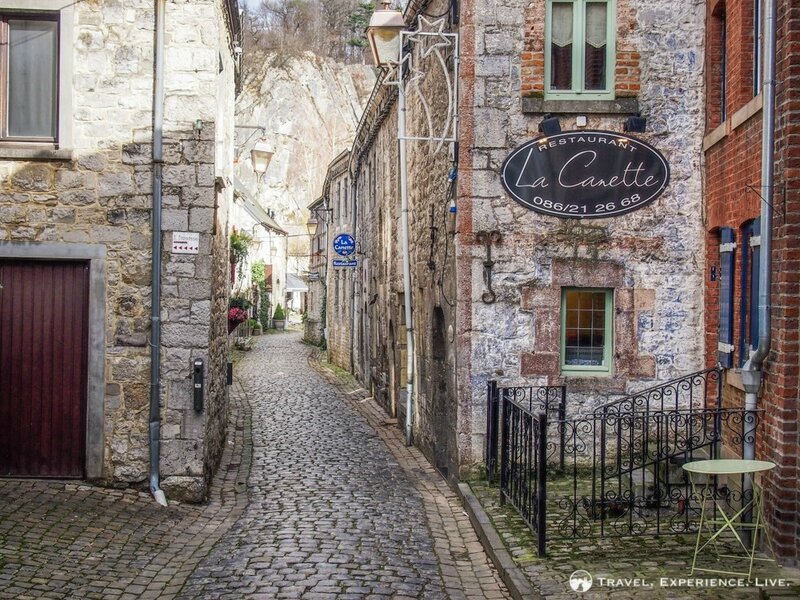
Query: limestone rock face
point(310, 107)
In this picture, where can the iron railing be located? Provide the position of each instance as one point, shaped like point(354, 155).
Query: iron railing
point(523, 471)
point(618, 470)
point(547, 399)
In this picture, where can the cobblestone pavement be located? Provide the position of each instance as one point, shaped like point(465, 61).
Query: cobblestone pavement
point(323, 501)
point(657, 567)
point(333, 513)
point(66, 540)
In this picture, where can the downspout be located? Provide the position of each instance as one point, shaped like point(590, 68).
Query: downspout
point(327, 264)
point(410, 358)
point(155, 308)
point(751, 371)
point(353, 197)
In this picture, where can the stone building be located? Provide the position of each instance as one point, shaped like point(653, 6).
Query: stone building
point(314, 327)
point(113, 105)
point(737, 178)
point(494, 282)
point(340, 272)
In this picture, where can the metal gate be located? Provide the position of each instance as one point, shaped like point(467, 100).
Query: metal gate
point(43, 367)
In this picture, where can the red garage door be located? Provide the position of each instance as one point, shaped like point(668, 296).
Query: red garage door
point(43, 355)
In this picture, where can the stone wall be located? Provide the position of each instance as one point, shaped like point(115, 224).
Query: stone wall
point(379, 337)
point(653, 257)
point(103, 195)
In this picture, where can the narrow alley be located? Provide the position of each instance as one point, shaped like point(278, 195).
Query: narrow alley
point(329, 510)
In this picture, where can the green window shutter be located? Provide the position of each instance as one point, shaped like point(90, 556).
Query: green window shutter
point(727, 257)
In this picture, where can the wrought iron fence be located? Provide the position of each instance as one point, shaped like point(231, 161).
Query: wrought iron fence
point(618, 470)
point(523, 471)
point(624, 473)
point(547, 399)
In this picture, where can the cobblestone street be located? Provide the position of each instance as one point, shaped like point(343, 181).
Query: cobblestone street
point(335, 506)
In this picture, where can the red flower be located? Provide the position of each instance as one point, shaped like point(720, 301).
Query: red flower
point(237, 315)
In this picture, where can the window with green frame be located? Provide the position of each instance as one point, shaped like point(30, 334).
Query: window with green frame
point(580, 49)
point(586, 330)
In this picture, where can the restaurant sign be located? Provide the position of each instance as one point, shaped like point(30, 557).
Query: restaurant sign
point(585, 174)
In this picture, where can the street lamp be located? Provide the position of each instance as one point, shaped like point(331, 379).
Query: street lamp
point(314, 219)
point(383, 33)
point(261, 155)
point(312, 225)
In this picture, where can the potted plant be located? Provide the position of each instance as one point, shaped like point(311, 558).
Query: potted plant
point(279, 317)
point(255, 326)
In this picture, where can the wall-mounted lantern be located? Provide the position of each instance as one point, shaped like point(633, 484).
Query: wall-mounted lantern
point(383, 33)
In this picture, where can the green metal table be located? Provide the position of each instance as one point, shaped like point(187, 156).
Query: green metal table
point(716, 526)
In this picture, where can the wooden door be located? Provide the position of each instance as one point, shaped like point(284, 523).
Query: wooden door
point(43, 364)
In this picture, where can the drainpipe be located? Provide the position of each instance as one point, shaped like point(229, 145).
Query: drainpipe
point(401, 134)
point(155, 308)
point(751, 372)
point(353, 197)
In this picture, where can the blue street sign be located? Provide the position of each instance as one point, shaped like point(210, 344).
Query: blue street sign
point(345, 262)
point(344, 244)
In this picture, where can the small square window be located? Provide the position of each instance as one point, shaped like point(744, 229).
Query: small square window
point(580, 49)
point(586, 330)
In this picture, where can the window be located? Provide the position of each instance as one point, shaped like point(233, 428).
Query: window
point(757, 47)
point(727, 262)
point(35, 78)
point(339, 201)
point(346, 209)
point(579, 49)
point(718, 71)
point(748, 304)
point(29, 44)
point(586, 330)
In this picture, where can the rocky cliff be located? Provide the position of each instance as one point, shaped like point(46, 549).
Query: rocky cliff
point(310, 107)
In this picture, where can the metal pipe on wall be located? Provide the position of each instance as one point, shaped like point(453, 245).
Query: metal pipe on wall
point(410, 351)
point(751, 371)
point(154, 429)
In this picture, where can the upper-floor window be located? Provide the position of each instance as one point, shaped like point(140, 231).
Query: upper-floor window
point(579, 49)
point(339, 201)
point(346, 208)
point(36, 46)
point(757, 47)
point(29, 72)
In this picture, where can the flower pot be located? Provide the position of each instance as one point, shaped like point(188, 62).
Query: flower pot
point(232, 325)
point(279, 323)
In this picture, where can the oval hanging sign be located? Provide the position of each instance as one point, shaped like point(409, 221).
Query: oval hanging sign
point(585, 174)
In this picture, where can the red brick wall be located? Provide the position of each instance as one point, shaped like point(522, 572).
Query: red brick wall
point(627, 71)
point(732, 197)
point(780, 398)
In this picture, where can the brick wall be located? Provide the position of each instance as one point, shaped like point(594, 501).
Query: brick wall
point(733, 158)
point(627, 74)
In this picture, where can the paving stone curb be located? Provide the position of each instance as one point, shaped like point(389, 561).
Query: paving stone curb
point(512, 576)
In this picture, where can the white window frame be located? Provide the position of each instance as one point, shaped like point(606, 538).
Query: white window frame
point(576, 92)
point(61, 148)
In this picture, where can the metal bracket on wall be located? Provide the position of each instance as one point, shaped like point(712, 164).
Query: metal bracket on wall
point(487, 238)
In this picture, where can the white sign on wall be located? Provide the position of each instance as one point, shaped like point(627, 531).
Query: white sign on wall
point(185, 242)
